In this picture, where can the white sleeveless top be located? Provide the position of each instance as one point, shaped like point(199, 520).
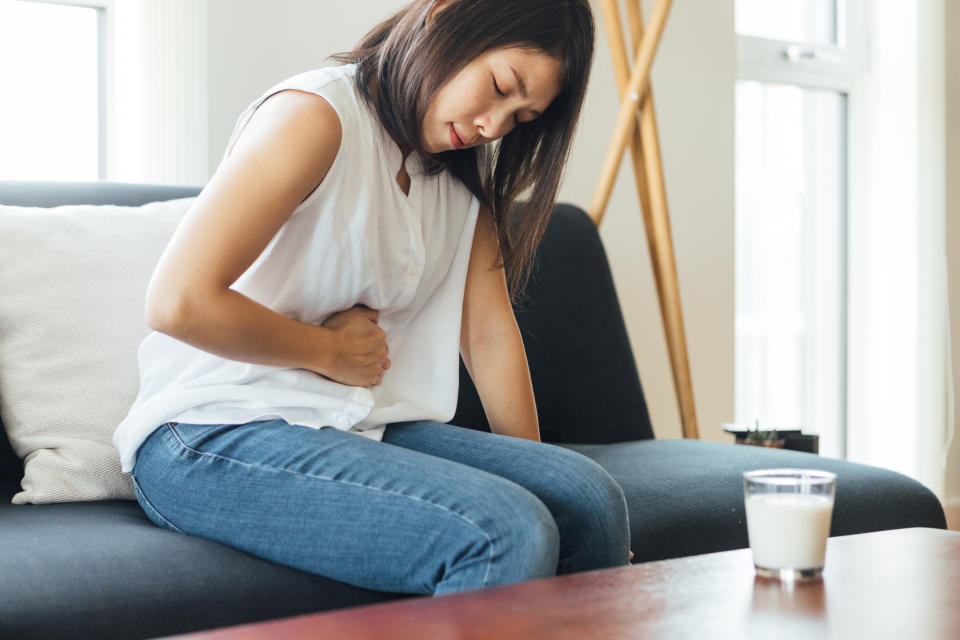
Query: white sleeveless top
point(356, 239)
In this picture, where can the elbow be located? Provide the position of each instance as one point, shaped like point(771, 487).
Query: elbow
point(159, 323)
point(161, 318)
point(167, 311)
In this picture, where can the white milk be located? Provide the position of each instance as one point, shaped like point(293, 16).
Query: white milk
point(788, 530)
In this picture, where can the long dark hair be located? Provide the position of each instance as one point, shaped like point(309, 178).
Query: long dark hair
point(407, 62)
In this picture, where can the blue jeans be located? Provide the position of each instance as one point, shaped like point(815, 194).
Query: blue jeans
point(432, 509)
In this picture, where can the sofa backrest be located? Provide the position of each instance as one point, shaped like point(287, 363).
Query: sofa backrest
point(584, 375)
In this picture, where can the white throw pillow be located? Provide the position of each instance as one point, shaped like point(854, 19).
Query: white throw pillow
point(73, 281)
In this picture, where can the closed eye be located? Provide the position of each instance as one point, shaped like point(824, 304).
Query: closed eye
point(496, 87)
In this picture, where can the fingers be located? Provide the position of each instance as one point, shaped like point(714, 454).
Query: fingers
point(379, 366)
point(378, 378)
point(373, 314)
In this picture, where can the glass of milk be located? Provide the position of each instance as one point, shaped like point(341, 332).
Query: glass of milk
point(788, 520)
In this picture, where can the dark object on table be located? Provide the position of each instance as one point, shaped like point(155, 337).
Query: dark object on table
point(793, 438)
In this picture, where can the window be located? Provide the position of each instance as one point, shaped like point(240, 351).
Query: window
point(52, 110)
point(797, 60)
point(806, 21)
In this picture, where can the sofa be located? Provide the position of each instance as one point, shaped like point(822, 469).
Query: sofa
point(101, 569)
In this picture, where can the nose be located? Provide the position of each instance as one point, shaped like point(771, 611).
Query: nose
point(494, 124)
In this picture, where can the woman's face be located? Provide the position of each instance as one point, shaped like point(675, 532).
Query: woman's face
point(485, 100)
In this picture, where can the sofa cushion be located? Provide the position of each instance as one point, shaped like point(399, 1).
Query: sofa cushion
point(105, 568)
point(584, 376)
point(685, 497)
point(72, 283)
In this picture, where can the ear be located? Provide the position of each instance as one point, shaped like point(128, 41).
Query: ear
point(438, 6)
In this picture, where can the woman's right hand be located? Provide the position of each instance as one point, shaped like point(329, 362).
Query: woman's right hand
point(359, 356)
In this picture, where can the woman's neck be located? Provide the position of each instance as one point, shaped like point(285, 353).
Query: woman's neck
point(405, 148)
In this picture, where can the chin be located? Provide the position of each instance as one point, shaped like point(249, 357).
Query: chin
point(431, 148)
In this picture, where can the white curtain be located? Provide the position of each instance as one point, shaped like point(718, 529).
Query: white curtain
point(158, 91)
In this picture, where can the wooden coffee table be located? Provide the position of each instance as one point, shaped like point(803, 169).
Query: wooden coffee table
point(890, 584)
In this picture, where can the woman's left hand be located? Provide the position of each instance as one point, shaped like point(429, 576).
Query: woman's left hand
point(631, 556)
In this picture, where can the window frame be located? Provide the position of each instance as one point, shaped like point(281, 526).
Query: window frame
point(835, 67)
point(815, 66)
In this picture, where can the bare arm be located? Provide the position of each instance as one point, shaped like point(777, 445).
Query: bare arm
point(490, 341)
point(282, 155)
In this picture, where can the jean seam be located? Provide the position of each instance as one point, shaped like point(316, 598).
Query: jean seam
point(154, 508)
point(346, 482)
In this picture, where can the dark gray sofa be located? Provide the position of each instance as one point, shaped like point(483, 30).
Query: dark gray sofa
point(102, 570)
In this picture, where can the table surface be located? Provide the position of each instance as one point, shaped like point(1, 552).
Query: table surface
point(890, 584)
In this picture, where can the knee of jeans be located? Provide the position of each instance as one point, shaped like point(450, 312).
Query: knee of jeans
point(601, 494)
point(531, 539)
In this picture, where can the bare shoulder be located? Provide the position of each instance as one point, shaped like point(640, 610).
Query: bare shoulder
point(280, 157)
point(295, 127)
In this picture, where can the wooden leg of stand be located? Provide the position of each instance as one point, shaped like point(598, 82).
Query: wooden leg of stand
point(621, 68)
point(630, 104)
point(645, 152)
point(661, 248)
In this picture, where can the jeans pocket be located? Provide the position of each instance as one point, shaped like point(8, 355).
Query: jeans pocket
point(155, 516)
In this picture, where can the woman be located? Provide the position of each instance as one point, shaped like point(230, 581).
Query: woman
point(310, 307)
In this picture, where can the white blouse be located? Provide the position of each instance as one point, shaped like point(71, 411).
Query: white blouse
point(356, 239)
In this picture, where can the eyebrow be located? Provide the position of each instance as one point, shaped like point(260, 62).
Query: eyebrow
point(523, 90)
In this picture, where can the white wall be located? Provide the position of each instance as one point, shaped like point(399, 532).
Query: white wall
point(931, 252)
point(253, 45)
point(896, 331)
point(952, 163)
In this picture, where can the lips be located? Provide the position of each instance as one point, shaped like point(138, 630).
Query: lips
point(455, 138)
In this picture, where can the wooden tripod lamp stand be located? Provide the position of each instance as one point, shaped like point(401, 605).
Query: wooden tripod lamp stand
point(637, 124)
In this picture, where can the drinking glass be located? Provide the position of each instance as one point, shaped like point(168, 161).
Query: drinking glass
point(788, 521)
